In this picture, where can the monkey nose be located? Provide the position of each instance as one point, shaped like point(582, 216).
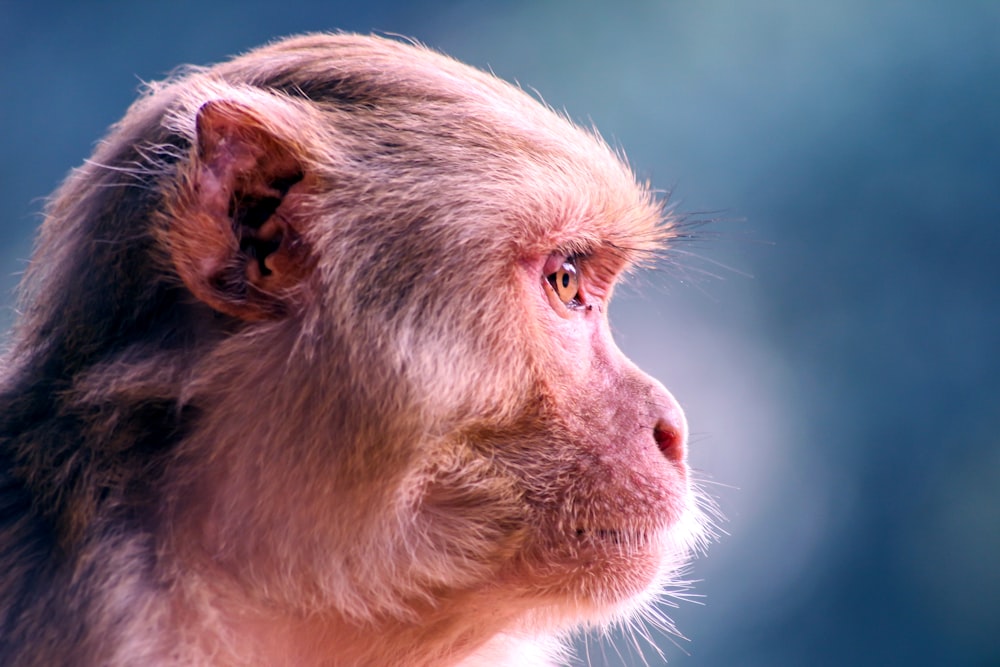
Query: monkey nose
point(670, 433)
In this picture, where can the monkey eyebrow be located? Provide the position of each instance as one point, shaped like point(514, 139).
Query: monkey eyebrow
point(607, 258)
point(635, 253)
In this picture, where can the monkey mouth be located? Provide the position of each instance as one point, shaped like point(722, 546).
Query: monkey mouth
point(627, 538)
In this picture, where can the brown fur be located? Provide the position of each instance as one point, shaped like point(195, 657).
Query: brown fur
point(291, 385)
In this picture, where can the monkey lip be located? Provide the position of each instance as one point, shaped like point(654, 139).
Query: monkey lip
point(631, 538)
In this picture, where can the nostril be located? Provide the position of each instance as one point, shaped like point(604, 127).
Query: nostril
point(670, 441)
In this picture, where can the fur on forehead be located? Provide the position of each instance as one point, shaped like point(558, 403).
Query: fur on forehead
point(403, 120)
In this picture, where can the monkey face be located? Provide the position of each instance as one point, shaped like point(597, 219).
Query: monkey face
point(606, 512)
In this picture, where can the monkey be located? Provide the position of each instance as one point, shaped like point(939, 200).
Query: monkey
point(313, 366)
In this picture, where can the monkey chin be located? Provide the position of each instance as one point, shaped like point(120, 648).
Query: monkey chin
point(602, 576)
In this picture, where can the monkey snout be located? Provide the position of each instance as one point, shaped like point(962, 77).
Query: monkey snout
point(670, 428)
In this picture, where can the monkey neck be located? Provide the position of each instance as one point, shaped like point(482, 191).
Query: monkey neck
point(215, 620)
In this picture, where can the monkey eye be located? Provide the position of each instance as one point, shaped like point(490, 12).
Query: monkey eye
point(565, 281)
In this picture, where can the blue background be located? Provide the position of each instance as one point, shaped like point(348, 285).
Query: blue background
point(833, 337)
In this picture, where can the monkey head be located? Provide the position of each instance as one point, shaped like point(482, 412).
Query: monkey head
point(381, 284)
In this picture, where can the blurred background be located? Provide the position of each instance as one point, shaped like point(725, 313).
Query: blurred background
point(833, 337)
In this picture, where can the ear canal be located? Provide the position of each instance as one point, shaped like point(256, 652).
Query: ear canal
point(234, 233)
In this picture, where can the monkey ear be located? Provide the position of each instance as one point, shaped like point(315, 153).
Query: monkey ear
point(234, 234)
